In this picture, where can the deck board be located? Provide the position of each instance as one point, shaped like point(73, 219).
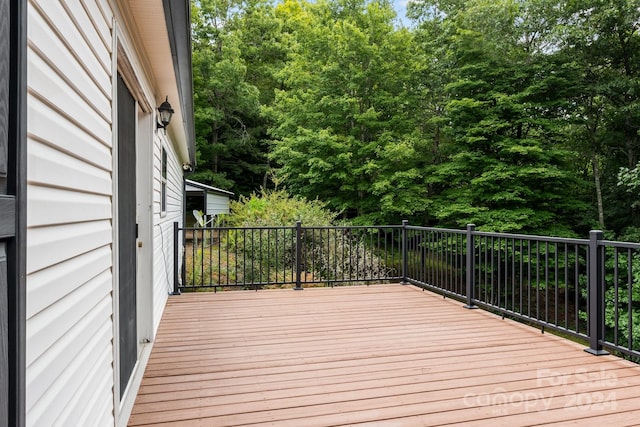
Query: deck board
point(383, 355)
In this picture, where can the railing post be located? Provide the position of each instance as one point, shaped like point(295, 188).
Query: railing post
point(471, 266)
point(405, 253)
point(298, 256)
point(176, 245)
point(595, 295)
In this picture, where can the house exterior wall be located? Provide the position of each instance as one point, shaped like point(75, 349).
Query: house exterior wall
point(217, 204)
point(71, 354)
point(163, 226)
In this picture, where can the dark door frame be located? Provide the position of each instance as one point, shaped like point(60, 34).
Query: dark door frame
point(126, 234)
point(16, 196)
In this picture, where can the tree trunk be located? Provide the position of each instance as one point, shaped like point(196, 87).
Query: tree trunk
point(214, 158)
point(596, 177)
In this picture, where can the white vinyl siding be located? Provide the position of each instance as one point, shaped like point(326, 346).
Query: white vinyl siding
point(69, 360)
point(163, 182)
point(217, 204)
point(163, 223)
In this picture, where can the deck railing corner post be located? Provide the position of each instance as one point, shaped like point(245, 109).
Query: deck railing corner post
point(405, 253)
point(595, 294)
point(176, 245)
point(298, 256)
point(470, 267)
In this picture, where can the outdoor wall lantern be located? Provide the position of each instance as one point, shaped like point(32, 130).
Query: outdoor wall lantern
point(165, 112)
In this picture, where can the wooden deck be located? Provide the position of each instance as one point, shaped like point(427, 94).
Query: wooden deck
point(387, 355)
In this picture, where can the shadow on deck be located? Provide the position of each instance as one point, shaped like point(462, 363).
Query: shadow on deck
point(383, 355)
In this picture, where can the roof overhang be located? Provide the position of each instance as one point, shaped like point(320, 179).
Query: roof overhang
point(164, 31)
point(178, 19)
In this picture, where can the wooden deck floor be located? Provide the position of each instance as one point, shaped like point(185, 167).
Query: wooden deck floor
point(387, 355)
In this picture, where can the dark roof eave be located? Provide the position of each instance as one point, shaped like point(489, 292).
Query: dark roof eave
point(178, 19)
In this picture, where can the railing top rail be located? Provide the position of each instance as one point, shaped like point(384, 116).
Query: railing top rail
point(350, 227)
point(614, 244)
point(437, 229)
point(572, 241)
point(535, 238)
point(276, 227)
point(305, 227)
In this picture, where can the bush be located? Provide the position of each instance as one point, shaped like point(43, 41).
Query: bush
point(267, 252)
point(277, 208)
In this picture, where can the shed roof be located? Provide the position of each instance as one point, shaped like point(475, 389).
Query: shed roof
point(193, 186)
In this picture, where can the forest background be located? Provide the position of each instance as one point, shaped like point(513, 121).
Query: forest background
point(516, 115)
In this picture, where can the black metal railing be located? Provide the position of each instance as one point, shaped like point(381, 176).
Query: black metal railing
point(257, 257)
point(436, 259)
point(617, 299)
point(586, 288)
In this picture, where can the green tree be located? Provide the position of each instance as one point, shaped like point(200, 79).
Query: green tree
point(343, 126)
point(505, 168)
point(630, 180)
point(230, 40)
point(602, 39)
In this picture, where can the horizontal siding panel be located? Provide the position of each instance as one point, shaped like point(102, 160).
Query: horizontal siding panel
point(46, 84)
point(95, 393)
point(91, 391)
point(51, 380)
point(45, 370)
point(61, 22)
point(48, 326)
point(102, 26)
point(162, 265)
point(163, 225)
point(104, 412)
point(58, 56)
point(52, 245)
point(46, 125)
point(157, 189)
point(51, 206)
point(99, 386)
point(175, 184)
point(174, 201)
point(46, 163)
point(217, 204)
point(161, 292)
point(157, 174)
point(160, 300)
point(85, 25)
point(50, 285)
point(105, 9)
point(70, 377)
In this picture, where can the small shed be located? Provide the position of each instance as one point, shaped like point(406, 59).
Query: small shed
point(211, 201)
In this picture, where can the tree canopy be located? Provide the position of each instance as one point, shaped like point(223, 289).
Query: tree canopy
point(515, 115)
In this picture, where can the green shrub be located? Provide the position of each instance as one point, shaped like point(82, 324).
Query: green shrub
point(327, 255)
point(278, 208)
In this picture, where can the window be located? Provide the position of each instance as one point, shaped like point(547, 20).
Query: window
point(163, 200)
